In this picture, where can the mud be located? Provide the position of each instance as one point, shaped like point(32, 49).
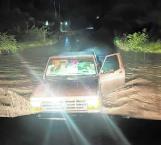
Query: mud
point(138, 98)
point(12, 104)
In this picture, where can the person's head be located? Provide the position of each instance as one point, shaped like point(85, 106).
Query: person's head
point(55, 62)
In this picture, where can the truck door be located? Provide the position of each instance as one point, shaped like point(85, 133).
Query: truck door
point(112, 74)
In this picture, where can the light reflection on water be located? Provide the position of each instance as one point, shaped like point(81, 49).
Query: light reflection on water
point(14, 74)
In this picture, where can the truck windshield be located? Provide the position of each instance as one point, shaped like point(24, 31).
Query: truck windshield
point(71, 66)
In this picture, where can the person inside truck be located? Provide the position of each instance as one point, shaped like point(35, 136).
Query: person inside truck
point(53, 67)
point(72, 66)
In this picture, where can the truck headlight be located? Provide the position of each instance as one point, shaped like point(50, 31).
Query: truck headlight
point(35, 102)
point(93, 103)
point(35, 105)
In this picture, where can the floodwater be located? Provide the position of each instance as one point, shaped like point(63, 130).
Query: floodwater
point(142, 65)
point(21, 72)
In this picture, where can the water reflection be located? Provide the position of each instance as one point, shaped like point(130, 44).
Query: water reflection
point(14, 74)
point(140, 65)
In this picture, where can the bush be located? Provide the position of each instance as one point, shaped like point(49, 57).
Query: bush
point(134, 42)
point(8, 44)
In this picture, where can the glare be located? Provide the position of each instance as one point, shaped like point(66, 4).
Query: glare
point(90, 28)
point(48, 99)
point(46, 23)
point(75, 131)
point(97, 17)
point(47, 136)
point(76, 134)
point(92, 102)
point(67, 43)
point(66, 23)
point(115, 130)
point(35, 104)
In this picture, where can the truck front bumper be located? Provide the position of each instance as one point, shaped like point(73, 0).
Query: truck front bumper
point(66, 105)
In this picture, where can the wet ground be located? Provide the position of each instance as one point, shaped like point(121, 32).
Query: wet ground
point(89, 131)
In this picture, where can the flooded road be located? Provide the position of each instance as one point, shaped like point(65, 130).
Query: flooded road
point(146, 66)
point(21, 72)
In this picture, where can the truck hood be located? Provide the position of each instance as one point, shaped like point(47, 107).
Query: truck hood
point(73, 86)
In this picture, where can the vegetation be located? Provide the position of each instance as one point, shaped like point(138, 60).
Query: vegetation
point(33, 34)
point(33, 37)
point(138, 42)
point(8, 44)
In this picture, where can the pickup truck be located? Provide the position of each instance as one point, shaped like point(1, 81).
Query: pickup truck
point(76, 83)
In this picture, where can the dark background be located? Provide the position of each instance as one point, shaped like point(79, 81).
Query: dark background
point(116, 16)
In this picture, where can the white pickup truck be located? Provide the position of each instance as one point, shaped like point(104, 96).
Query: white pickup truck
point(76, 82)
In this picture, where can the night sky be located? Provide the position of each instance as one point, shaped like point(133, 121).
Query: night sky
point(103, 6)
point(118, 15)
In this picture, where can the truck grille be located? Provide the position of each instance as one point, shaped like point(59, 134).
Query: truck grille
point(68, 105)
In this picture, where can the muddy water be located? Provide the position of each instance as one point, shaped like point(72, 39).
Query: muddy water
point(146, 66)
point(23, 71)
